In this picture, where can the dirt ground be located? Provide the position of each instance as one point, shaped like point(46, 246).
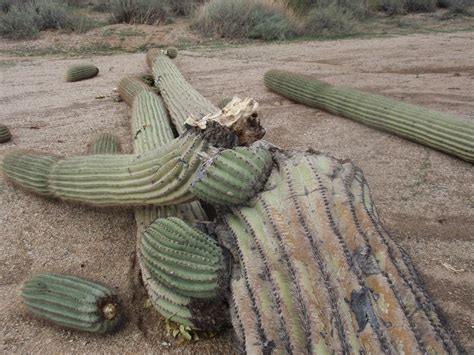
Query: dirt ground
point(425, 198)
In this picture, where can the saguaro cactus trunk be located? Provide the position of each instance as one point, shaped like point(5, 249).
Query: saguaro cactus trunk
point(441, 131)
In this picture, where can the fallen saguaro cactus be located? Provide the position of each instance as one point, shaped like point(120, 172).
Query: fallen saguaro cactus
point(104, 143)
point(441, 131)
point(72, 302)
point(5, 134)
point(81, 72)
point(130, 86)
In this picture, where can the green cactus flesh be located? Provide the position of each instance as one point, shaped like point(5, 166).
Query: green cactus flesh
point(81, 72)
point(233, 176)
point(318, 274)
point(441, 131)
point(181, 99)
point(130, 86)
point(72, 302)
point(159, 177)
point(171, 52)
point(104, 143)
point(5, 134)
point(183, 270)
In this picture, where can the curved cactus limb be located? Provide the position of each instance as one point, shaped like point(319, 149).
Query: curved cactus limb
point(441, 131)
point(104, 143)
point(130, 86)
point(318, 273)
point(81, 72)
point(72, 302)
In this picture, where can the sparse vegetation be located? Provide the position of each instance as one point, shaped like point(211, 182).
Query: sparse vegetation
point(149, 12)
point(332, 19)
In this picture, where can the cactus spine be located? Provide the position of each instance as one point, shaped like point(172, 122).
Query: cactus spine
point(318, 273)
point(185, 270)
point(233, 176)
point(181, 99)
point(72, 302)
point(5, 134)
point(441, 131)
point(104, 143)
point(130, 86)
point(81, 72)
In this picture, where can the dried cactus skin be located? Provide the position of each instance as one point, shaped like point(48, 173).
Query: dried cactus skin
point(159, 177)
point(5, 134)
point(318, 274)
point(81, 72)
point(171, 52)
point(72, 302)
point(181, 99)
point(183, 270)
point(233, 176)
point(440, 131)
point(131, 86)
point(104, 143)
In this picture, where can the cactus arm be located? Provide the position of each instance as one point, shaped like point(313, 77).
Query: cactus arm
point(5, 134)
point(441, 131)
point(72, 302)
point(131, 86)
point(181, 99)
point(81, 72)
point(104, 143)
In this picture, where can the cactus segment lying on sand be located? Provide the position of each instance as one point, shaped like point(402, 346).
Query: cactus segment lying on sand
point(185, 274)
point(233, 176)
point(130, 86)
point(104, 143)
point(5, 134)
point(171, 52)
point(81, 72)
point(441, 131)
point(181, 99)
point(72, 302)
point(318, 274)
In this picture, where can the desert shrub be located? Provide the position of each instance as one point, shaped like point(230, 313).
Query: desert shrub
point(19, 22)
point(52, 15)
point(244, 19)
point(332, 20)
point(359, 8)
point(184, 7)
point(391, 7)
point(102, 6)
point(456, 4)
point(140, 11)
point(420, 5)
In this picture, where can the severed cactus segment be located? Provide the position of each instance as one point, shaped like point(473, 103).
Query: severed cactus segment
point(151, 55)
point(318, 273)
point(171, 52)
point(81, 72)
point(233, 176)
point(181, 99)
point(441, 131)
point(159, 177)
point(183, 271)
point(130, 86)
point(104, 143)
point(72, 302)
point(5, 134)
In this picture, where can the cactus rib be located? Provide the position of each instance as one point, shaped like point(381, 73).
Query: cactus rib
point(326, 278)
point(104, 143)
point(5, 134)
point(72, 302)
point(441, 131)
point(233, 176)
point(131, 86)
point(181, 99)
point(81, 72)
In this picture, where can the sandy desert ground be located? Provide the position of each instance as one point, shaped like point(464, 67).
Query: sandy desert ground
point(425, 198)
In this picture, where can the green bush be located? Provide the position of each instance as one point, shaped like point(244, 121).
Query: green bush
point(329, 20)
point(19, 22)
point(140, 11)
point(420, 5)
point(244, 19)
point(184, 7)
point(391, 7)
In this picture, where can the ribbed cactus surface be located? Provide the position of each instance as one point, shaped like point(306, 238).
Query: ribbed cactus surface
point(151, 55)
point(72, 302)
point(318, 274)
point(104, 143)
point(181, 99)
point(233, 176)
point(81, 72)
point(441, 131)
point(130, 86)
point(171, 52)
point(159, 177)
point(188, 273)
point(5, 134)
